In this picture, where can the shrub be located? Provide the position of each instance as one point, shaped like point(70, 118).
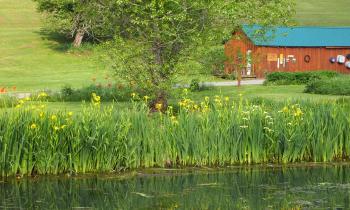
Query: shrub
point(297, 78)
point(333, 86)
point(108, 93)
point(230, 76)
point(195, 86)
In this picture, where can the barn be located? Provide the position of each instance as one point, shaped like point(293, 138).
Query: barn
point(289, 49)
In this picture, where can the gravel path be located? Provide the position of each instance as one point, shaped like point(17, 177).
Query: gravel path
point(230, 83)
point(235, 83)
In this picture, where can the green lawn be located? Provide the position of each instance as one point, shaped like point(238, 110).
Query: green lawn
point(30, 60)
point(276, 93)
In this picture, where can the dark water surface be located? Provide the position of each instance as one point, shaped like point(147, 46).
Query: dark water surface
point(317, 187)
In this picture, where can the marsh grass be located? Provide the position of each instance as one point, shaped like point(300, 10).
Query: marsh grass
point(218, 131)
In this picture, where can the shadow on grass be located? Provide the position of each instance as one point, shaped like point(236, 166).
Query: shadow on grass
point(56, 41)
point(61, 43)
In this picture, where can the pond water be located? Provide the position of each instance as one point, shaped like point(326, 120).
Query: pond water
point(316, 187)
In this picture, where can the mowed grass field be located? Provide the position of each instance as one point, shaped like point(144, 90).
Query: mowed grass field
point(323, 12)
point(30, 60)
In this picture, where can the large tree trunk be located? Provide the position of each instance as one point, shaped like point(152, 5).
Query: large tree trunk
point(78, 38)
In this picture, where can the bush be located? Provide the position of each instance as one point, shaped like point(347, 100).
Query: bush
point(333, 86)
point(195, 86)
point(297, 78)
point(230, 76)
point(108, 93)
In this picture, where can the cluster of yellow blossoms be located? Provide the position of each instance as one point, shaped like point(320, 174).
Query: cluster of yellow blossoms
point(95, 99)
point(293, 110)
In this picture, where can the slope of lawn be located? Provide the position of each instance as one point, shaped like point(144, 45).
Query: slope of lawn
point(31, 60)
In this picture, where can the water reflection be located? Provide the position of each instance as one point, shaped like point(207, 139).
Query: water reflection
point(322, 187)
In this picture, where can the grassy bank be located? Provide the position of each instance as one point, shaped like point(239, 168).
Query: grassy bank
point(215, 132)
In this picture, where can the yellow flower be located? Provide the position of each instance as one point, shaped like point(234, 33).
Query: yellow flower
point(27, 99)
point(42, 95)
point(18, 106)
point(159, 106)
point(53, 117)
point(96, 98)
point(133, 95)
point(63, 127)
point(206, 98)
point(227, 99)
point(285, 109)
point(56, 128)
point(174, 120)
point(21, 102)
point(298, 112)
point(70, 114)
point(146, 98)
point(240, 95)
point(185, 91)
point(33, 126)
point(41, 114)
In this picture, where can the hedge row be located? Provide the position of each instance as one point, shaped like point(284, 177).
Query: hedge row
point(297, 78)
point(333, 86)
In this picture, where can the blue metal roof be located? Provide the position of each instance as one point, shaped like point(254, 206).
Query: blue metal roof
point(300, 36)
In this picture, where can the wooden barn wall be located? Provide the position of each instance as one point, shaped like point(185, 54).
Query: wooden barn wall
point(319, 57)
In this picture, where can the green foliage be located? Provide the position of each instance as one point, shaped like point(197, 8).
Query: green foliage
point(330, 86)
point(229, 76)
point(7, 101)
point(195, 86)
point(108, 93)
point(214, 132)
point(297, 78)
point(212, 59)
point(158, 35)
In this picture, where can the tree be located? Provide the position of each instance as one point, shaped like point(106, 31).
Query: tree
point(158, 34)
point(79, 19)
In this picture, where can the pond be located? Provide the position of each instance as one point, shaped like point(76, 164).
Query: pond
point(293, 187)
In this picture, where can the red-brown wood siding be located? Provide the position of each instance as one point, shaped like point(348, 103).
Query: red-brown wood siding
point(319, 57)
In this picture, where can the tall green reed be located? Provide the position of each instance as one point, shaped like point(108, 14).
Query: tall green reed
point(215, 132)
